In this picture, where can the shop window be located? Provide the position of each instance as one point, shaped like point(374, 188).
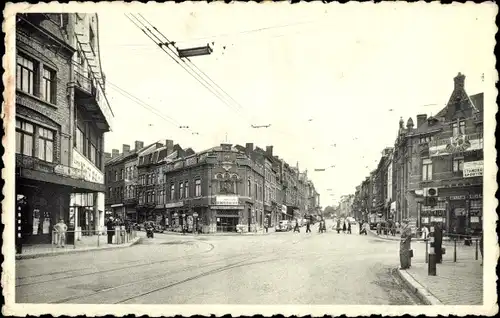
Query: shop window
point(24, 138)
point(25, 74)
point(426, 169)
point(458, 164)
point(48, 85)
point(197, 189)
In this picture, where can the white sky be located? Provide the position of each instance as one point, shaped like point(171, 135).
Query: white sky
point(344, 66)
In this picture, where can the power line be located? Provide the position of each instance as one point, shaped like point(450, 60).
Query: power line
point(173, 55)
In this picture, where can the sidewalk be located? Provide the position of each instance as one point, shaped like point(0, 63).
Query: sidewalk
point(42, 250)
point(259, 232)
point(456, 283)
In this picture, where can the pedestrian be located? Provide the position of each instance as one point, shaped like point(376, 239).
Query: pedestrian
point(338, 226)
point(344, 227)
point(308, 226)
point(265, 224)
point(110, 226)
point(425, 232)
point(393, 229)
point(61, 229)
point(379, 228)
point(405, 252)
point(438, 243)
point(296, 227)
point(349, 227)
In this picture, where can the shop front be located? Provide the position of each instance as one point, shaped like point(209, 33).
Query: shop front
point(175, 212)
point(431, 216)
point(227, 212)
point(465, 213)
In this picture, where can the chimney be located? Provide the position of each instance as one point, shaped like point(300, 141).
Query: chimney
point(249, 148)
point(269, 151)
point(459, 81)
point(139, 145)
point(107, 156)
point(170, 146)
point(421, 118)
point(115, 153)
point(125, 148)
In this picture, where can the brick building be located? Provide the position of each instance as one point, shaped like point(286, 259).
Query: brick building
point(61, 118)
point(437, 166)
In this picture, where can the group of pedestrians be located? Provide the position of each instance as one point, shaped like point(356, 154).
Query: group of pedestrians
point(321, 228)
point(343, 225)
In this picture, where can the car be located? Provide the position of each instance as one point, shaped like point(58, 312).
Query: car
point(283, 226)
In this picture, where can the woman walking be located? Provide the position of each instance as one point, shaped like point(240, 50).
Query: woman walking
point(344, 227)
point(405, 246)
point(338, 226)
point(349, 227)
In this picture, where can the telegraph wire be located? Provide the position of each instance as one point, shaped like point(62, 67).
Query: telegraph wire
point(174, 56)
point(210, 80)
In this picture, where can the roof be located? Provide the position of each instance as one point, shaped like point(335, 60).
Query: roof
point(131, 153)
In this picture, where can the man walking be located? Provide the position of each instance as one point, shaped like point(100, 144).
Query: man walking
point(110, 227)
point(61, 229)
point(308, 226)
point(296, 228)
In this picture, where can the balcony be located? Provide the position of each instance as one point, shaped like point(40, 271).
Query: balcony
point(90, 95)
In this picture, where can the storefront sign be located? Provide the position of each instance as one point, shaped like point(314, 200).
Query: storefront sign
point(457, 197)
point(226, 200)
point(85, 169)
point(474, 219)
point(436, 219)
point(473, 169)
point(425, 220)
point(456, 144)
point(227, 207)
point(174, 205)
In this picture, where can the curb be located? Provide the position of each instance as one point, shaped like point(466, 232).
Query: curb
point(76, 251)
point(217, 234)
point(417, 289)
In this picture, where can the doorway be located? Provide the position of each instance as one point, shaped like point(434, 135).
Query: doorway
point(227, 223)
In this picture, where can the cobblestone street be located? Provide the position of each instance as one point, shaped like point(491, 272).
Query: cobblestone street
point(287, 268)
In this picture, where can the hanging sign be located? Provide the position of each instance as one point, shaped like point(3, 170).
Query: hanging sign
point(473, 169)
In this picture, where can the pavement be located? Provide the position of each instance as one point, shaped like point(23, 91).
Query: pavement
point(284, 268)
point(447, 287)
point(44, 250)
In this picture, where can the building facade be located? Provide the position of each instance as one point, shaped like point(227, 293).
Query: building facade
point(61, 118)
point(434, 172)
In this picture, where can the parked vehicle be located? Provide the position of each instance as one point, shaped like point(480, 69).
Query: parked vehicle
point(283, 226)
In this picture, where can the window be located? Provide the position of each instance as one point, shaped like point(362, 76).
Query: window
point(110, 191)
point(249, 188)
point(458, 164)
point(80, 139)
point(458, 128)
point(153, 197)
point(25, 74)
point(197, 188)
point(45, 144)
point(24, 138)
point(172, 192)
point(135, 171)
point(116, 175)
point(426, 169)
point(121, 174)
point(161, 197)
point(186, 188)
point(48, 85)
point(181, 190)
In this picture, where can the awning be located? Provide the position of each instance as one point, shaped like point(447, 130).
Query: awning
point(77, 184)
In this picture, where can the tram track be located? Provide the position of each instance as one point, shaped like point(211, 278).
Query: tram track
point(184, 258)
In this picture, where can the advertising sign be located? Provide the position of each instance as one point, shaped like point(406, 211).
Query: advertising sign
point(226, 200)
point(283, 209)
point(456, 145)
point(473, 169)
point(174, 205)
point(85, 169)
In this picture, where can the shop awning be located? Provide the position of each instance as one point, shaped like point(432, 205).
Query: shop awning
point(77, 184)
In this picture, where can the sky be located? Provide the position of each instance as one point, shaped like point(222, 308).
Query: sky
point(331, 80)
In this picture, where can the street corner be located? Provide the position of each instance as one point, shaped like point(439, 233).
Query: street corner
point(417, 289)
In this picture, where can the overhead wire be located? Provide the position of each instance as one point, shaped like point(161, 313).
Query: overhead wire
point(173, 55)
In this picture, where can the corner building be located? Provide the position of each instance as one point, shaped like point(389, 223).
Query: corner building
point(61, 116)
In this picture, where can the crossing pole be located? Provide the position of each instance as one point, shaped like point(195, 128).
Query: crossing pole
point(431, 268)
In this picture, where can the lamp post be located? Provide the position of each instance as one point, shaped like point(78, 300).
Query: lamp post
point(195, 217)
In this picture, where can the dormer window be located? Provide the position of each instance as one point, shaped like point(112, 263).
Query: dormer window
point(458, 128)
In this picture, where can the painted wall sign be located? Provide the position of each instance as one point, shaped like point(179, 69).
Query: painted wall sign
point(85, 169)
point(226, 200)
point(473, 169)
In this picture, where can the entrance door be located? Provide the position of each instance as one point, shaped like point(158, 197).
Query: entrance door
point(227, 224)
